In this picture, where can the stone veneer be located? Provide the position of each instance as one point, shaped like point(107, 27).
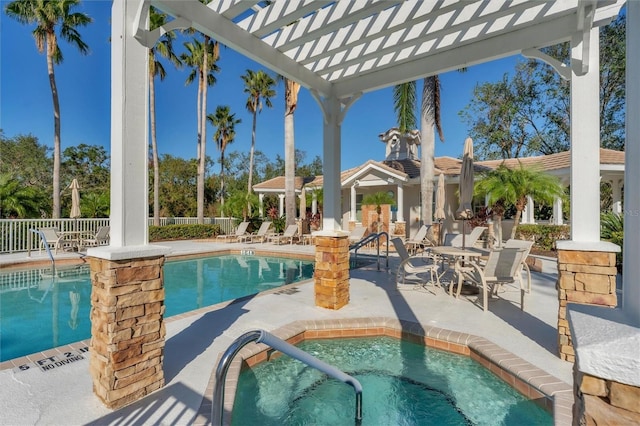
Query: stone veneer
point(604, 402)
point(331, 273)
point(127, 329)
point(585, 277)
point(546, 390)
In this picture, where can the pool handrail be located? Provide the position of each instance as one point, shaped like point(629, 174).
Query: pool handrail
point(43, 241)
point(261, 336)
point(366, 240)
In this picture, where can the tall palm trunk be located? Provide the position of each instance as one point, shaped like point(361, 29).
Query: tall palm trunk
point(154, 147)
point(203, 131)
point(51, 44)
point(251, 153)
point(199, 178)
point(291, 101)
point(427, 136)
point(221, 181)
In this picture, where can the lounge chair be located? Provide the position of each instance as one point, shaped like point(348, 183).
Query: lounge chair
point(55, 239)
point(357, 234)
point(412, 266)
point(289, 235)
point(100, 238)
point(240, 231)
point(260, 236)
point(526, 246)
point(501, 268)
point(419, 240)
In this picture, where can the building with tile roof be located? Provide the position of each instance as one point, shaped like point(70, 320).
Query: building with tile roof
point(399, 175)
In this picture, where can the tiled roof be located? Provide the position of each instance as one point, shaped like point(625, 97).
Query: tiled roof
point(561, 160)
point(449, 166)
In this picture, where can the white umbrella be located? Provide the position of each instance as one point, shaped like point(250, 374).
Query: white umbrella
point(439, 213)
point(465, 210)
point(75, 199)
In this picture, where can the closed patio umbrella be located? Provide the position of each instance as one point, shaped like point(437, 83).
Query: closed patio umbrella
point(75, 199)
point(303, 203)
point(465, 210)
point(439, 213)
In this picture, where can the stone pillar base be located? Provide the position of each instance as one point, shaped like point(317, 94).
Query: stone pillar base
point(127, 329)
point(332, 272)
point(600, 401)
point(584, 277)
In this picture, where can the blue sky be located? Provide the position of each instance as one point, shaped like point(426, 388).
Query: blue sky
point(84, 89)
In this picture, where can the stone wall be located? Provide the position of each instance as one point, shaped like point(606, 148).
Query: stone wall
point(127, 329)
point(585, 277)
point(332, 272)
point(604, 402)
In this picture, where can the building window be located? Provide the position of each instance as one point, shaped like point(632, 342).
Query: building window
point(359, 207)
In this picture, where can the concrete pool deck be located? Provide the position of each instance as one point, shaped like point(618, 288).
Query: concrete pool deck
point(195, 340)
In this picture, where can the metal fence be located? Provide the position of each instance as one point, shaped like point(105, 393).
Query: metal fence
point(15, 232)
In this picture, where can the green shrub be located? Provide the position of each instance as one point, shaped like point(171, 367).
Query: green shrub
point(183, 232)
point(612, 229)
point(544, 237)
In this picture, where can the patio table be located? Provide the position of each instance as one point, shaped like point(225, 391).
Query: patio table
point(459, 256)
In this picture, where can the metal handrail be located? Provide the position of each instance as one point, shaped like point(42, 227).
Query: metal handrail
point(261, 336)
point(367, 240)
point(43, 241)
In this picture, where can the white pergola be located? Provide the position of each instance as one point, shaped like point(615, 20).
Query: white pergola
point(342, 49)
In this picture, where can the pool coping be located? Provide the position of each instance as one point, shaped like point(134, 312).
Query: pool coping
point(547, 391)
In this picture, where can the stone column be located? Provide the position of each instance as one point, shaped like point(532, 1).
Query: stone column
point(332, 271)
point(281, 205)
point(127, 327)
point(586, 275)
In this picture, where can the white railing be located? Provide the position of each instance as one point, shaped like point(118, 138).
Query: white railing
point(15, 232)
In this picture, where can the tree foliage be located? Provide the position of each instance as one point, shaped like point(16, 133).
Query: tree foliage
point(529, 112)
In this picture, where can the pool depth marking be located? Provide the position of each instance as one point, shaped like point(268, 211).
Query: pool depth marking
point(55, 361)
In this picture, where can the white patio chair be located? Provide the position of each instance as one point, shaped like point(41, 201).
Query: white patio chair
point(419, 240)
point(100, 238)
point(357, 234)
point(289, 235)
point(240, 231)
point(259, 236)
point(501, 268)
point(412, 266)
point(55, 239)
point(526, 246)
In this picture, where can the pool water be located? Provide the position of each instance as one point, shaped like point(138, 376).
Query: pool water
point(403, 384)
point(39, 312)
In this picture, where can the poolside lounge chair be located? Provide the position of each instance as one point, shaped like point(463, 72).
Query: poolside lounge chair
point(501, 268)
point(526, 246)
point(412, 266)
point(55, 239)
point(289, 235)
point(260, 236)
point(419, 240)
point(240, 231)
point(357, 234)
point(100, 238)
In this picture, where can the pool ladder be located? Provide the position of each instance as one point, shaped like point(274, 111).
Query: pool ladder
point(261, 336)
point(368, 239)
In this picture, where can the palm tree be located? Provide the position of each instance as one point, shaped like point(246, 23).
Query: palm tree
point(291, 102)
point(512, 186)
point(225, 123)
point(49, 15)
point(405, 104)
point(16, 199)
point(378, 199)
point(203, 68)
point(164, 48)
point(259, 86)
point(429, 120)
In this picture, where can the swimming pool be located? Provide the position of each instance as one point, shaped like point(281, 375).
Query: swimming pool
point(39, 312)
point(403, 384)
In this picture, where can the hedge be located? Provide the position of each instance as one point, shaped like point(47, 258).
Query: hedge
point(183, 232)
point(544, 237)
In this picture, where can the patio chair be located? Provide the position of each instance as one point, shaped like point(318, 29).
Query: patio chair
point(501, 268)
point(259, 236)
point(100, 238)
point(55, 239)
point(240, 231)
point(470, 239)
point(526, 246)
point(289, 235)
point(412, 266)
point(420, 240)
